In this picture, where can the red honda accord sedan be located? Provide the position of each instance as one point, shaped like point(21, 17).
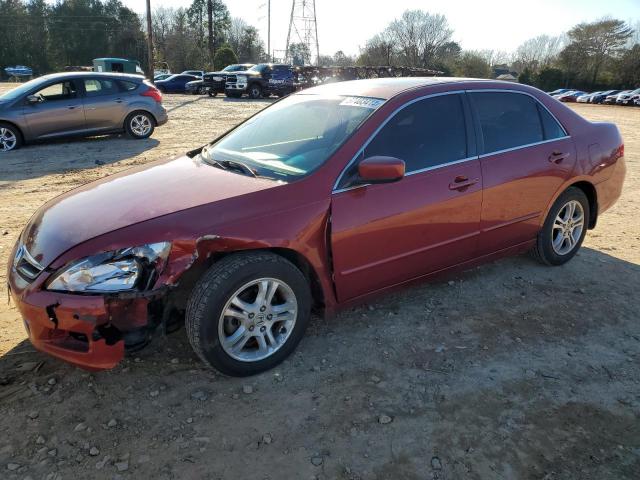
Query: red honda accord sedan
point(324, 199)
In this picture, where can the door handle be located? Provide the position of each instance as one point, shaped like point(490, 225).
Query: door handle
point(558, 157)
point(71, 107)
point(461, 182)
point(119, 100)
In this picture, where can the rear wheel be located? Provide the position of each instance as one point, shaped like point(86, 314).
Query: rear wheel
point(10, 138)
point(139, 125)
point(564, 229)
point(248, 313)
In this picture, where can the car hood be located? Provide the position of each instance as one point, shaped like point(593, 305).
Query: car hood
point(130, 197)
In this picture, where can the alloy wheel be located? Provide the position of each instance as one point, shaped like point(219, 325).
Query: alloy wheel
point(141, 125)
point(8, 139)
point(258, 319)
point(567, 227)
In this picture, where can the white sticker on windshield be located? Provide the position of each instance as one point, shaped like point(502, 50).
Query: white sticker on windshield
point(365, 102)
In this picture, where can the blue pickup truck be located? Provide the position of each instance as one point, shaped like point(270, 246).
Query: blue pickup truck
point(262, 80)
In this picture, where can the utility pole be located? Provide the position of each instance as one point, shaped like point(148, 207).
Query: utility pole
point(269, 30)
point(150, 68)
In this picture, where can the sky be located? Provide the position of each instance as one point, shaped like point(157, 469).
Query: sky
point(478, 24)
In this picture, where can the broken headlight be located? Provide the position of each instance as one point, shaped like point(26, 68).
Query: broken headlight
point(116, 271)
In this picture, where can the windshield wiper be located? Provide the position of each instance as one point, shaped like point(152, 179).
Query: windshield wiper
point(228, 164)
point(239, 166)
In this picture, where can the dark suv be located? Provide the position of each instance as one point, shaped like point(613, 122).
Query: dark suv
point(262, 80)
point(81, 104)
point(214, 82)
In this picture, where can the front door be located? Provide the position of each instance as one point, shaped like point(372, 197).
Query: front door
point(386, 234)
point(526, 157)
point(104, 104)
point(59, 111)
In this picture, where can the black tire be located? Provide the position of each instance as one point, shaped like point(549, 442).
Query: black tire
point(133, 131)
point(11, 137)
point(544, 250)
point(255, 91)
point(216, 288)
point(212, 94)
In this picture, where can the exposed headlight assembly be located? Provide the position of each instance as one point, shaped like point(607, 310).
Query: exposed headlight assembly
point(133, 268)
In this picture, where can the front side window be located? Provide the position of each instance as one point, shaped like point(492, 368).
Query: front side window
point(507, 120)
point(58, 91)
point(95, 88)
point(425, 134)
point(294, 136)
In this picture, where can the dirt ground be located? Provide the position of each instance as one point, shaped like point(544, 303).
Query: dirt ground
point(508, 371)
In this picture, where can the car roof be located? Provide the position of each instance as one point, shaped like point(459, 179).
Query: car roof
point(387, 88)
point(63, 75)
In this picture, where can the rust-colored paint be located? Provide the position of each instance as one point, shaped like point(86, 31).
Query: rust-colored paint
point(358, 242)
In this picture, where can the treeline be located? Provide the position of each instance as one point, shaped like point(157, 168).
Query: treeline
point(49, 37)
point(597, 55)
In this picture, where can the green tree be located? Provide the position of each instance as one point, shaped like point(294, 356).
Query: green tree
point(224, 56)
point(526, 77)
point(549, 79)
point(299, 54)
point(628, 68)
point(593, 45)
point(472, 64)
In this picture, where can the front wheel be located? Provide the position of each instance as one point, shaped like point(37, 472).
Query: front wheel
point(10, 138)
point(139, 125)
point(564, 229)
point(255, 91)
point(248, 312)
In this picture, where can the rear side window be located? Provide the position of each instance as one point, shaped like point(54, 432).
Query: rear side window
point(551, 127)
point(95, 88)
point(425, 134)
point(127, 86)
point(507, 120)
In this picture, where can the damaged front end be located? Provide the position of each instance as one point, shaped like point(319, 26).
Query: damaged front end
point(90, 311)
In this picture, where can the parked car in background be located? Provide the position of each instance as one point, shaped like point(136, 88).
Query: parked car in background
point(215, 81)
point(559, 91)
point(586, 98)
point(571, 96)
point(323, 200)
point(196, 73)
point(261, 80)
point(195, 87)
point(600, 97)
point(81, 104)
point(175, 83)
point(612, 98)
point(628, 98)
point(162, 76)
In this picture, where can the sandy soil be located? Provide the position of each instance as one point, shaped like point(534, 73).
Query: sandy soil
point(511, 370)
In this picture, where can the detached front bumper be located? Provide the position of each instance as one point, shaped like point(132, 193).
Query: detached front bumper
point(88, 331)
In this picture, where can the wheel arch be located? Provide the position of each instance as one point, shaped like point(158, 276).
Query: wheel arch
point(590, 191)
point(18, 129)
point(191, 276)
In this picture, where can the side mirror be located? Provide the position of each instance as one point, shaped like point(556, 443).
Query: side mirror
point(33, 99)
point(381, 169)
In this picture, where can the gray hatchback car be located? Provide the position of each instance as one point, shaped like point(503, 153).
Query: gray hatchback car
point(79, 104)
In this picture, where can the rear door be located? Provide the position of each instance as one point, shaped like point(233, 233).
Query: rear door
point(386, 234)
point(60, 110)
point(526, 156)
point(104, 103)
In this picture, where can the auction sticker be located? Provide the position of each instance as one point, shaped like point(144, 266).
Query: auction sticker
point(365, 102)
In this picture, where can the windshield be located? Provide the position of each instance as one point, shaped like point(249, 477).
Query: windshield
point(258, 68)
point(22, 89)
point(294, 136)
